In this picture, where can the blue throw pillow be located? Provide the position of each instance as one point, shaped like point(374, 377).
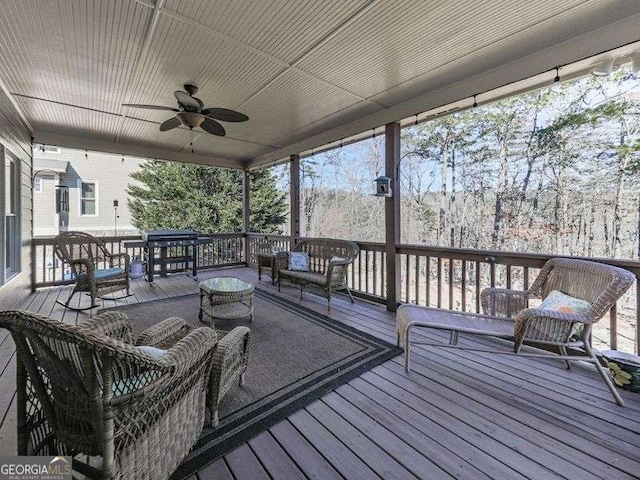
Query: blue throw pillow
point(564, 303)
point(299, 261)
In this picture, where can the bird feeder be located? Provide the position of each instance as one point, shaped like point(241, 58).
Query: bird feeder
point(383, 186)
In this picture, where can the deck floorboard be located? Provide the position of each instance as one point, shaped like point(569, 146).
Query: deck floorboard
point(458, 414)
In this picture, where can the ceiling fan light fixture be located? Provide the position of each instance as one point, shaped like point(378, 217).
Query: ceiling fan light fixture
point(190, 119)
point(603, 68)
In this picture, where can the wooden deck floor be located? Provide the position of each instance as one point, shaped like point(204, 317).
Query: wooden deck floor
point(458, 415)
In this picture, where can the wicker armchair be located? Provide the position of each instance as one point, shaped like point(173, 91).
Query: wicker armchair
point(92, 265)
point(323, 273)
point(507, 316)
point(230, 357)
point(87, 389)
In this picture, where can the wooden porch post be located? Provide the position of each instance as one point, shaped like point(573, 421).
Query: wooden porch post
point(246, 212)
point(392, 214)
point(294, 198)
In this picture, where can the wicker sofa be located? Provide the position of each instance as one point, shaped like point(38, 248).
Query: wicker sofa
point(328, 261)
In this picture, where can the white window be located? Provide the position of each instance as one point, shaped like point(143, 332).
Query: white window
point(37, 185)
point(88, 198)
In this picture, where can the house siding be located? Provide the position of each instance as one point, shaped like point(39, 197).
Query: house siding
point(112, 176)
point(15, 138)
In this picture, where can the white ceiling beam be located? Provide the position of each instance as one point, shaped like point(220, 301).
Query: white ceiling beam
point(587, 45)
point(135, 74)
point(86, 143)
point(15, 105)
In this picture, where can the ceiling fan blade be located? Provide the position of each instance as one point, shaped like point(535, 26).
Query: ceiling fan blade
point(173, 122)
point(150, 107)
point(225, 115)
point(213, 127)
point(186, 100)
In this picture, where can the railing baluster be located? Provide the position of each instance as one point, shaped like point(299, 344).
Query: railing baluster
point(509, 277)
point(525, 283)
point(428, 282)
point(464, 286)
point(375, 271)
point(492, 274)
point(450, 283)
point(407, 288)
point(478, 286)
point(439, 282)
point(417, 275)
point(613, 327)
point(366, 270)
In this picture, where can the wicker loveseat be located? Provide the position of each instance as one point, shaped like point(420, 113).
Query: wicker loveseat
point(86, 389)
point(328, 261)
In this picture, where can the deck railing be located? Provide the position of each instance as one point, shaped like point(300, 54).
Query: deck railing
point(449, 278)
point(224, 249)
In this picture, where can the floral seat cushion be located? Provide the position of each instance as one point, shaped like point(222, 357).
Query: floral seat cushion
point(564, 303)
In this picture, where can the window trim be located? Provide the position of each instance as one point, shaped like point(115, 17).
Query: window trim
point(97, 198)
point(15, 260)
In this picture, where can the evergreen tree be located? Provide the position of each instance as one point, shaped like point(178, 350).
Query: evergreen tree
point(174, 195)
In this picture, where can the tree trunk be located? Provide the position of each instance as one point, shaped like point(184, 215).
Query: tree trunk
point(502, 188)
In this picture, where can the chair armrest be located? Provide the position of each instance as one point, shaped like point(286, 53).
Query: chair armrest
point(161, 331)
point(341, 264)
point(112, 324)
point(126, 256)
point(232, 349)
point(503, 302)
point(88, 266)
point(194, 349)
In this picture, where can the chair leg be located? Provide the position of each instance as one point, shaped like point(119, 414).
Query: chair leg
point(350, 296)
point(407, 348)
point(604, 374)
point(563, 352)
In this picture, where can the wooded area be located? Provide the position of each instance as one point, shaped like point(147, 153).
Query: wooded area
point(551, 171)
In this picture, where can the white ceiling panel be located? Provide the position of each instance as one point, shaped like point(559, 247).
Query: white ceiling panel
point(291, 102)
point(226, 147)
point(398, 41)
point(80, 52)
point(179, 52)
point(45, 116)
point(305, 72)
point(281, 28)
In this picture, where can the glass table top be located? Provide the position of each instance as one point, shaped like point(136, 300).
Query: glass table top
point(226, 285)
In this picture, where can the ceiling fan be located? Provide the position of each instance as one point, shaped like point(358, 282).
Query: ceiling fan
point(191, 113)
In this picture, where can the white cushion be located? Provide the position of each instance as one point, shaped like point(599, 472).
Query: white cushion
point(153, 351)
point(299, 261)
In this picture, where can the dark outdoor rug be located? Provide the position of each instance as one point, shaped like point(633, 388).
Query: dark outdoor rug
point(297, 355)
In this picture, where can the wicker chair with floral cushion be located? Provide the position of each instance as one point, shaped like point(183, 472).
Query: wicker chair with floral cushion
point(86, 389)
point(328, 260)
point(594, 287)
point(93, 267)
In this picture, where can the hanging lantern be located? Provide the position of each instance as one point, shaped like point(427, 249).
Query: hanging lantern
point(383, 186)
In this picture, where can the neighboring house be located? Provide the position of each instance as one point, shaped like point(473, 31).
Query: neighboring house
point(88, 182)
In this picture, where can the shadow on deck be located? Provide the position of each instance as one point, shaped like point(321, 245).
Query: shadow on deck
point(457, 415)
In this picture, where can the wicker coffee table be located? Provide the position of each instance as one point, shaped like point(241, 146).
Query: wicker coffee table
point(229, 298)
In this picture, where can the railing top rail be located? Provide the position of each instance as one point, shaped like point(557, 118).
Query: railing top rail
point(522, 259)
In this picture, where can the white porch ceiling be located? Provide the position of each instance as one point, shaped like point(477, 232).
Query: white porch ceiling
point(305, 72)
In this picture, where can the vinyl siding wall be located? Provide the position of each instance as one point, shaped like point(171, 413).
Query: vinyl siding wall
point(112, 175)
point(15, 137)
